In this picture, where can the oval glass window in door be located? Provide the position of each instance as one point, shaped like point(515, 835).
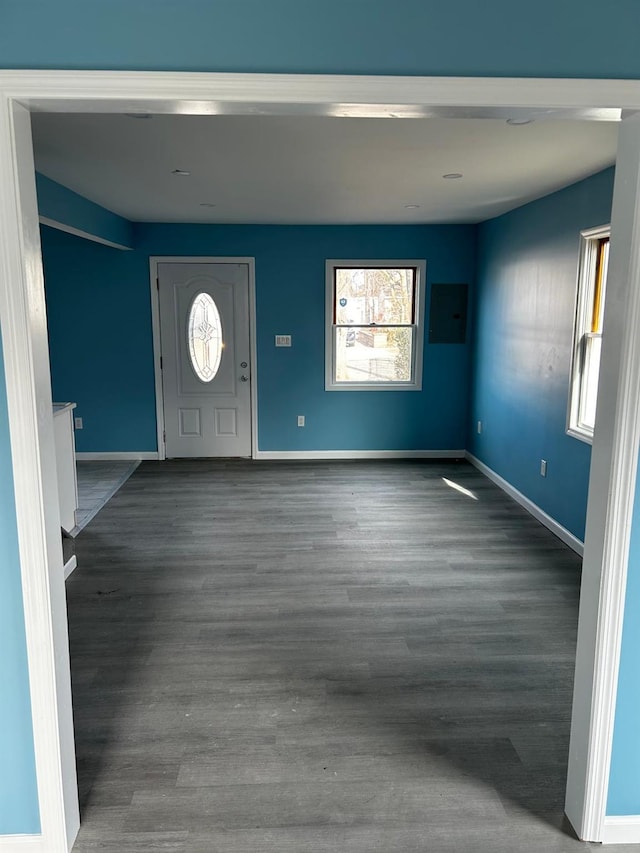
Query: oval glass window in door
point(204, 334)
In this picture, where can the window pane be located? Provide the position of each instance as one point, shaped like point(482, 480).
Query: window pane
point(589, 389)
point(204, 334)
point(600, 283)
point(380, 354)
point(587, 340)
point(381, 296)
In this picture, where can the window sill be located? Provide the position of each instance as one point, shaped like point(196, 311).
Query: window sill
point(370, 386)
point(581, 435)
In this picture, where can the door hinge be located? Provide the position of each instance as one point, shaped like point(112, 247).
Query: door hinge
point(160, 362)
point(157, 284)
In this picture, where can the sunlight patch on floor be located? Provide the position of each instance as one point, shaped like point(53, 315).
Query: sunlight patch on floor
point(460, 489)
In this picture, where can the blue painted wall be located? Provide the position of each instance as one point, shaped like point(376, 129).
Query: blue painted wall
point(18, 792)
point(526, 286)
point(458, 37)
point(68, 208)
point(109, 322)
point(100, 341)
point(624, 781)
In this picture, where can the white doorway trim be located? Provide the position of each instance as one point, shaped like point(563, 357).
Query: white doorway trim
point(612, 482)
point(23, 322)
point(157, 343)
point(25, 347)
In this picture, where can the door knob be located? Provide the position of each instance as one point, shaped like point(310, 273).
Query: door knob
point(244, 378)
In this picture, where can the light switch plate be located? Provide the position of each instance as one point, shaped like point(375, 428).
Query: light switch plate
point(283, 340)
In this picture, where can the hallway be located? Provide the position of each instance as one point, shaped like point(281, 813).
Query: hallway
point(346, 656)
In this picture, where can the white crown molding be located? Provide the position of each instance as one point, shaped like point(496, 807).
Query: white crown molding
point(544, 518)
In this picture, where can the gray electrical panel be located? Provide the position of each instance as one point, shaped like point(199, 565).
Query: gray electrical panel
point(448, 314)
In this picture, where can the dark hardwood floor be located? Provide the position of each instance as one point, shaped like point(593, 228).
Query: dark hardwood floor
point(315, 657)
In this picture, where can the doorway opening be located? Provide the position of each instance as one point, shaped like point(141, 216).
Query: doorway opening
point(28, 384)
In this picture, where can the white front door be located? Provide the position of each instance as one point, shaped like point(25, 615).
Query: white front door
point(206, 381)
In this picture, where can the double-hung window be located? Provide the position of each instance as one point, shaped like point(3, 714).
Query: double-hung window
point(587, 338)
point(375, 318)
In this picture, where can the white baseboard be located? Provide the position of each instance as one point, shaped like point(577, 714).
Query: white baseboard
point(621, 830)
point(561, 532)
point(22, 844)
point(70, 565)
point(117, 456)
point(359, 454)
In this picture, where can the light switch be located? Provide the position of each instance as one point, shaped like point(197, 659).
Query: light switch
point(283, 340)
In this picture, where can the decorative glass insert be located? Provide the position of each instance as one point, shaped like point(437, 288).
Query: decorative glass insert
point(204, 335)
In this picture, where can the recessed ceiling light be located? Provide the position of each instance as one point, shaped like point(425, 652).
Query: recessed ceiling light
point(182, 172)
point(206, 204)
point(518, 121)
point(412, 206)
point(452, 176)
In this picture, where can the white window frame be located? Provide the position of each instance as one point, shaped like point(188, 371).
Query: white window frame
point(589, 239)
point(415, 384)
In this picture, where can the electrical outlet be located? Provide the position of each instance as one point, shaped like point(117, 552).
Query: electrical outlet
point(300, 420)
point(543, 467)
point(78, 423)
point(479, 427)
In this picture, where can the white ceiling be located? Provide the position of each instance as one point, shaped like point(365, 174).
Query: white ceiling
point(310, 169)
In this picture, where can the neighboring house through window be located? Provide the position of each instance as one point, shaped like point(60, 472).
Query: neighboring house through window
point(375, 317)
point(587, 338)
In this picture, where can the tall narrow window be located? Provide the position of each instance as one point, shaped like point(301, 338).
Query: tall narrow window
point(587, 339)
point(374, 325)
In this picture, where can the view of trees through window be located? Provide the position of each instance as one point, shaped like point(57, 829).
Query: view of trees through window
point(374, 319)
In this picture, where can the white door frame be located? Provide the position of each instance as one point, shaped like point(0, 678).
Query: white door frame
point(23, 323)
point(157, 342)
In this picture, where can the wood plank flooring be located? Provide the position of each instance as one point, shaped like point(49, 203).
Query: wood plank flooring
point(98, 481)
point(315, 657)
